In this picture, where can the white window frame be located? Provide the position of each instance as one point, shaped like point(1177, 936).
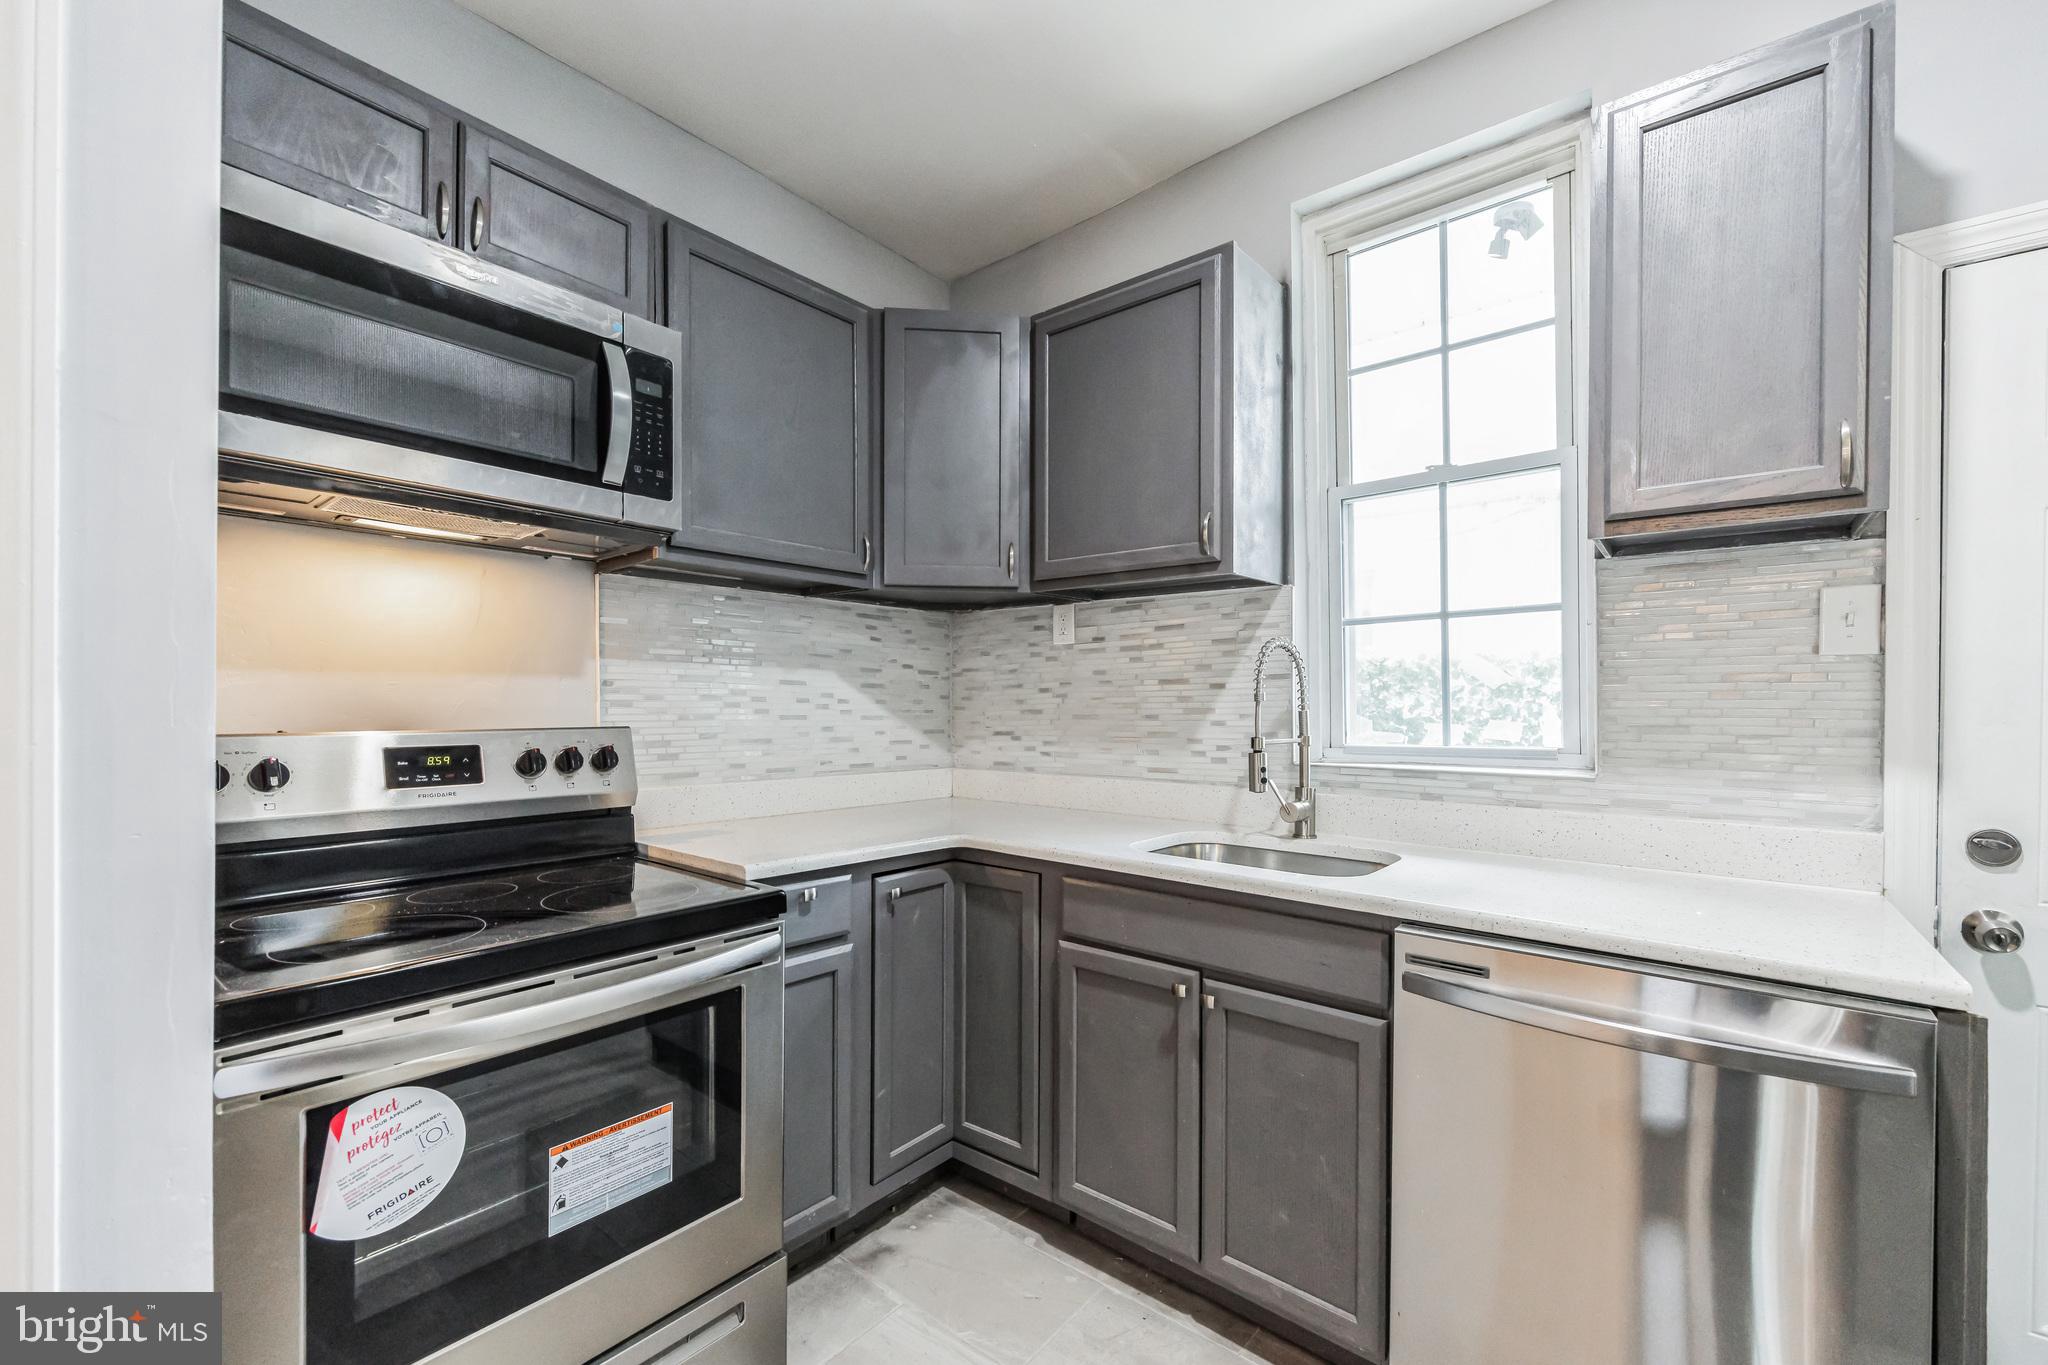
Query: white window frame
point(1325, 237)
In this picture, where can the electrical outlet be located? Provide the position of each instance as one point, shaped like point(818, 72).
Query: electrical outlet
point(1063, 624)
point(1850, 618)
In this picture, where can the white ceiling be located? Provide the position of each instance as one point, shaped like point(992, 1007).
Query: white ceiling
point(956, 132)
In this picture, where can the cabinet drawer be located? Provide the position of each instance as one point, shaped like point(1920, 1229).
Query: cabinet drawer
point(1304, 956)
point(818, 910)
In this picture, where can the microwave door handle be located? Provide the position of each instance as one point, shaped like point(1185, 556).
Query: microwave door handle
point(619, 447)
point(470, 1040)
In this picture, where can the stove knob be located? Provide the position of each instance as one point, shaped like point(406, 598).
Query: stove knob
point(530, 764)
point(269, 775)
point(220, 777)
point(605, 758)
point(569, 760)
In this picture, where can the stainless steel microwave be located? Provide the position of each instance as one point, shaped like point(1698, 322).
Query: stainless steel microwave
point(376, 380)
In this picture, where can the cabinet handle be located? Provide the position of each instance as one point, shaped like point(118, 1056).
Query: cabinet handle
point(1208, 1001)
point(1180, 990)
point(441, 210)
point(1206, 517)
point(476, 223)
point(867, 552)
point(895, 894)
point(808, 894)
point(1011, 559)
point(1848, 455)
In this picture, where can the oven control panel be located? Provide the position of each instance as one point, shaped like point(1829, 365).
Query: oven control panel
point(293, 786)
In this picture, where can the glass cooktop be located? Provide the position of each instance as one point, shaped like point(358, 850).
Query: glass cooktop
point(283, 964)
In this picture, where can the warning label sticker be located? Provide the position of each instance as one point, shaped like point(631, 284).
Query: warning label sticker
point(604, 1169)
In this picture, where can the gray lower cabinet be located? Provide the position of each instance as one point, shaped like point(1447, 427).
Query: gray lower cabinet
point(301, 114)
point(774, 447)
point(1741, 291)
point(953, 416)
point(914, 931)
point(1158, 437)
point(532, 214)
point(997, 994)
point(1128, 1109)
point(818, 1078)
point(1294, 1144)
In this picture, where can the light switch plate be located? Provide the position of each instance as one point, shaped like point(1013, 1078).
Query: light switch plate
point(1850, 619)
point(1063, 624)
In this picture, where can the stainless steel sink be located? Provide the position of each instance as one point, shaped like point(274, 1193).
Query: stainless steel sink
point(1272, 859)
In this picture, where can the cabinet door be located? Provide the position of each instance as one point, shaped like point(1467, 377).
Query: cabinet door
point(997, 994)
point(532, 214)
point(1129, 1096)
point(914, 932)
point(299, 113)
point(1737, 207)
point(1127, 425)
point(953, 387)
point(1294, 1143)
point(817, 1090)
point(773, 450)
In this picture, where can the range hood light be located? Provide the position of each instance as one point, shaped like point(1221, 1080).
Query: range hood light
point(405, 530)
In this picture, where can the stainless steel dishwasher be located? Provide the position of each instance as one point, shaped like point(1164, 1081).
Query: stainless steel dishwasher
point(1601, 1163)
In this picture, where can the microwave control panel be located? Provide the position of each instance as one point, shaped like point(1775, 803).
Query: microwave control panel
point(650, 472)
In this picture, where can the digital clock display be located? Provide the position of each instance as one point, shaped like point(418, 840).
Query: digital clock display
point(453, 765)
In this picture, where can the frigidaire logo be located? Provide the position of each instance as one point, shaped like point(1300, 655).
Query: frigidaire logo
point(167, 1328)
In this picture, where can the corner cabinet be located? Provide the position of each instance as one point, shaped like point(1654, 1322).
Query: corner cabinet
point(1742, 293)
point(915, 926)
point(774, 451)
point(1157, 433)
point(997, 993)
point(953, 416)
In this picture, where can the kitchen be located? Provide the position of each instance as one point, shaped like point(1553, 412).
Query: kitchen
point(1107, 1026)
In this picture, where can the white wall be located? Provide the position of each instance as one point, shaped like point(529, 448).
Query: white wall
point(134, 125)
point(1970, 107)
point(337, 630)
point(482, 70)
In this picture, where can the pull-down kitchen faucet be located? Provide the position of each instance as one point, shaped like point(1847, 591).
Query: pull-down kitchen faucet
point(1300, 810)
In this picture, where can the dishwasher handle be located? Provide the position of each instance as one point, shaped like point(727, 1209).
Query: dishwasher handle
point(1790, 1062)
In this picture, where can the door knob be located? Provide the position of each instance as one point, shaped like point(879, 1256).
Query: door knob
point(1993, 931)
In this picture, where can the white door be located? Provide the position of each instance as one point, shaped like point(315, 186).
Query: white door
point(1994, 681)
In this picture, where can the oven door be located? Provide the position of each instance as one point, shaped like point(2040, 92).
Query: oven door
point(356, 353)
point(530, 1172)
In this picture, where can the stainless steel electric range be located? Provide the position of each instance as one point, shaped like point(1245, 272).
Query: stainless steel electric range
point(487, 1086)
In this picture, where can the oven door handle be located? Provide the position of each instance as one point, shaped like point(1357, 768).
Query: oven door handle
point(619, 444)
point(461, 1041)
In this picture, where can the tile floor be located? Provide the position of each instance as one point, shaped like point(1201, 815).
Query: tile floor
point(964, 1276)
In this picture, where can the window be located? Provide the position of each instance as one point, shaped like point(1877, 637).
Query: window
point(1448, 573)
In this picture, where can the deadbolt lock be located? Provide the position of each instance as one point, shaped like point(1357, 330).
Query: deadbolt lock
point(1992, 848)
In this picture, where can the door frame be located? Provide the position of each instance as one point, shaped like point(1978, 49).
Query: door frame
point(1913, 549)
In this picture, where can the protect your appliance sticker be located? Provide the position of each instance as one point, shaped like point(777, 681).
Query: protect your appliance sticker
point(388, 1155)
point(604, 1169)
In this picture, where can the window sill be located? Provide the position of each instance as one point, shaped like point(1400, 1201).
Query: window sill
point(1566, 769)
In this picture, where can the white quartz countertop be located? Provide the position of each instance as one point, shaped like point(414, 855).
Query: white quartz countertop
point(1849, 941)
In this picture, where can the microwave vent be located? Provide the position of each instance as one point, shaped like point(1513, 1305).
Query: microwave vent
point(347, 507)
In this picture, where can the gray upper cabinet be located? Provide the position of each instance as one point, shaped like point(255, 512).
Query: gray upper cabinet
point(1741, 303)
point(532, 214)
point(303, 115)
point(997, 995)
point(953, 418)
point(1128, 1110)
point(774, 451)
point(818, 1078)
point(914, 927)
point(1157, 436)
point(1294, 1152)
